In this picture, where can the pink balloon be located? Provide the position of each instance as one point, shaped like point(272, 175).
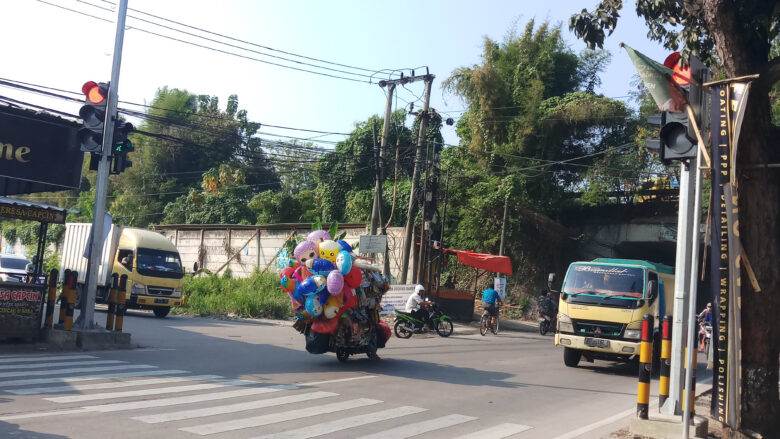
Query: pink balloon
point(335, 282)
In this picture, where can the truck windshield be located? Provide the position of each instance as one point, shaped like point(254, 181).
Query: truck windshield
point(604, 281)
point(159, 263)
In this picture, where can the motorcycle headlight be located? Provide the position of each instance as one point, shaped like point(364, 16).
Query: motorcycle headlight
point(633, 330)
point(564, 323)
point(138, 289)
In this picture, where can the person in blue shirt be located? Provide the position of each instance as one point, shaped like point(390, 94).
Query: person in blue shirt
point(490, 302)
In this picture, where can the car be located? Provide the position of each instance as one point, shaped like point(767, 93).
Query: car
point(12, 268)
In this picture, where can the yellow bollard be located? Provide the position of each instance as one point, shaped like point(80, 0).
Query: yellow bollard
point(71, 300)
point(120, 307)
point(52, 298)
point(645, 367)
point(666, 360)
point(112, 301)
point(690, 403)
point(63, 302)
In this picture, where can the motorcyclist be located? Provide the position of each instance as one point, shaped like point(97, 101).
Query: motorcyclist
point(413, 304)
point(490, 302)
point(705, 319)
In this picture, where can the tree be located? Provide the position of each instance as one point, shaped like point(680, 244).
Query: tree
point(222, 200)
point(735, 39)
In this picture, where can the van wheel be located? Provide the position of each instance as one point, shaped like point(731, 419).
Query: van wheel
point(161, 311)
point(571, 357)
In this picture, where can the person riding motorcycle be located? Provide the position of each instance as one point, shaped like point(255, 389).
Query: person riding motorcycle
point(413, 304)
point(705, 319)
point(490, 302)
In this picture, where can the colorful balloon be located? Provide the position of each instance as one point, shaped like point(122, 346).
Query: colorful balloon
point(329, 250)
point(287, 281)
point(325, 326)
point(302, 314)
point(344, 262)
point(301, 273)
point(305, 251)
point(335, 282)
point(350, 298)
point(318, 236)
point(344, 246)
point(321, 281)
point(354, 278)
point(320, 267)
point(313, 306)
point(331, 307)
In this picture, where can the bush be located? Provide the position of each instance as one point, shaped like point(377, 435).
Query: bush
point(255, 296)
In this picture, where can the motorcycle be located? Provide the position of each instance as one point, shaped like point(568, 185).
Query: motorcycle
point(406, 324)
point(548, 312)
point(705, 336)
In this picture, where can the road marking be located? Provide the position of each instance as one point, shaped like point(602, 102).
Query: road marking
point(232, 408)
point(164, 402)
point(44, 358)
point(42, 414)
point(146, 392)
point(498, 432)
point(343, 424)
point(256, 421)
point(61, 364)
point(340, 380)
point(34, 381)
point(111, 385)
point(74, 370)
point(415, 429)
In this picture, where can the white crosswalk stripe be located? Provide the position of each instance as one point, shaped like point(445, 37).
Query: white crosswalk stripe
point(60, 364)
point(147, 392)
point(232, 408)
point(497, 432)
point(272, 418)
point(164, 402)
point(74, 379)
point(111, 385)
point(343, 424)
point(23, 359)
point(417, 428)
point(73, 370)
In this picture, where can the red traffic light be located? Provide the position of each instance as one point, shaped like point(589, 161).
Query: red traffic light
point(93, 92)
point(682, 72)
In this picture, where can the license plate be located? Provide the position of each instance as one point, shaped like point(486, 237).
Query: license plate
point(596, 342)
point(163, 301)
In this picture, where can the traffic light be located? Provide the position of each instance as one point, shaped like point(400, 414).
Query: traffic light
point(93, 114)
point(678, 135)
point(122, 146)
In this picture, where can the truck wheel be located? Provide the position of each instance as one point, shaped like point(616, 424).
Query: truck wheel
point(571, 357)
point(161, 311)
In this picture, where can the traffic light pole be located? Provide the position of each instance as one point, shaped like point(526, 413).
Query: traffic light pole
point(86, 318)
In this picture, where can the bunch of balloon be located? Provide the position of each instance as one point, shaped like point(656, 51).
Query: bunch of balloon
point(321, 281)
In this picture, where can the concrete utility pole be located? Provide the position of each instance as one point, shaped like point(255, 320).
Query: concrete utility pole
point(86, 319)
point(408, 230)
point(376, 214)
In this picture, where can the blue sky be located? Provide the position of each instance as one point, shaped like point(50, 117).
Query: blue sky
point(49, 46)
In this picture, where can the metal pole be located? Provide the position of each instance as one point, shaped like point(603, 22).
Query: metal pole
point(86, 320)
point(441, 231)
point(503, 227)
point(408, 230)
point(682, 279)
point(422, 270)
point(692, 348)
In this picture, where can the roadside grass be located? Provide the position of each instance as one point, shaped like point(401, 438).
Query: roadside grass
point(256, 296)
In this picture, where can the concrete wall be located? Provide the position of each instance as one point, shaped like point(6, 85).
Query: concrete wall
point(255, 246)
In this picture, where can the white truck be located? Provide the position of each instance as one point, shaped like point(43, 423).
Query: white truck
point(149, 259)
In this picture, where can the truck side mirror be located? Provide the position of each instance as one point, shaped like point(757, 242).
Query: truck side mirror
point(652, 290)
point(550, 280)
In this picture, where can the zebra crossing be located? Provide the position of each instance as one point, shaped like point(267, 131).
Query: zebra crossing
point(79, 385)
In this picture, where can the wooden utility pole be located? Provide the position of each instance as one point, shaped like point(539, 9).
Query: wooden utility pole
point(408, 230)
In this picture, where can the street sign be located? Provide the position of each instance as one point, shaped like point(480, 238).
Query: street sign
point(499, 284)
point(372, 244)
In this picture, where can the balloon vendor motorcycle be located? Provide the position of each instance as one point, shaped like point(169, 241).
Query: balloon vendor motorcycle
point(406, 324)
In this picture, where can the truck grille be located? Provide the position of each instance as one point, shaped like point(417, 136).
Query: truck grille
point(598, 329)
point(159, 291)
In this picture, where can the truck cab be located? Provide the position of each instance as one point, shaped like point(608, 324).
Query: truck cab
point(602, 304)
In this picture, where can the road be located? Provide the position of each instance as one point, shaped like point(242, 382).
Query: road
point(195, 377)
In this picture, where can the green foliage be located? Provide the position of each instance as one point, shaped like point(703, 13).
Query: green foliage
point(223, 200)
point(256, 296)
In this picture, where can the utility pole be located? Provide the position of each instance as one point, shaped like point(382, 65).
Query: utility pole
point(408, 230)
point(379, 157)
point(503, 228)
point(86, 318)
point(423, 268)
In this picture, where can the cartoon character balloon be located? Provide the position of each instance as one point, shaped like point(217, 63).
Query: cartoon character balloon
point(313, 306)
point(335, 282)
point(320, 267)
point(344, 246)
point(331, 307)
point(305, 251)
point(318, 236)
point(286, 279)
point(344, 262)
point(329, 250)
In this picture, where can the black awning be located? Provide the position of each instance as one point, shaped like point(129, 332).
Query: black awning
point(31, 211)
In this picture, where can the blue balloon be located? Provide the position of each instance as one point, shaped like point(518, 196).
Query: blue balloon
point(313, 306)
point(344, 262)
point(305, 288)
point(344, 246)
point(324, 294)
point(321, 266)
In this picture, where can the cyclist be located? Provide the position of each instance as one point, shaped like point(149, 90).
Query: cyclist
point(490, 302)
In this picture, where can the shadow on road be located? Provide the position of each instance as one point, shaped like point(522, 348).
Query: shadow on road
point(12, 431)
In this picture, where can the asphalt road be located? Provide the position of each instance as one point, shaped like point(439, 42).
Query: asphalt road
point(194, 377)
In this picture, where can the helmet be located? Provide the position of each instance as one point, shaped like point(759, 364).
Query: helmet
point(419, 288)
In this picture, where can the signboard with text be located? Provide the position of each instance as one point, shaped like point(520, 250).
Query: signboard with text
point(499, 284)
point(372, 244)
point(21, 306)
point(396, 297)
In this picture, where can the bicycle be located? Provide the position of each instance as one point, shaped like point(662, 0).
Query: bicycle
point(484, 324)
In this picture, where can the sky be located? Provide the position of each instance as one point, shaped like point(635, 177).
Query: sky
point(47, 45)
